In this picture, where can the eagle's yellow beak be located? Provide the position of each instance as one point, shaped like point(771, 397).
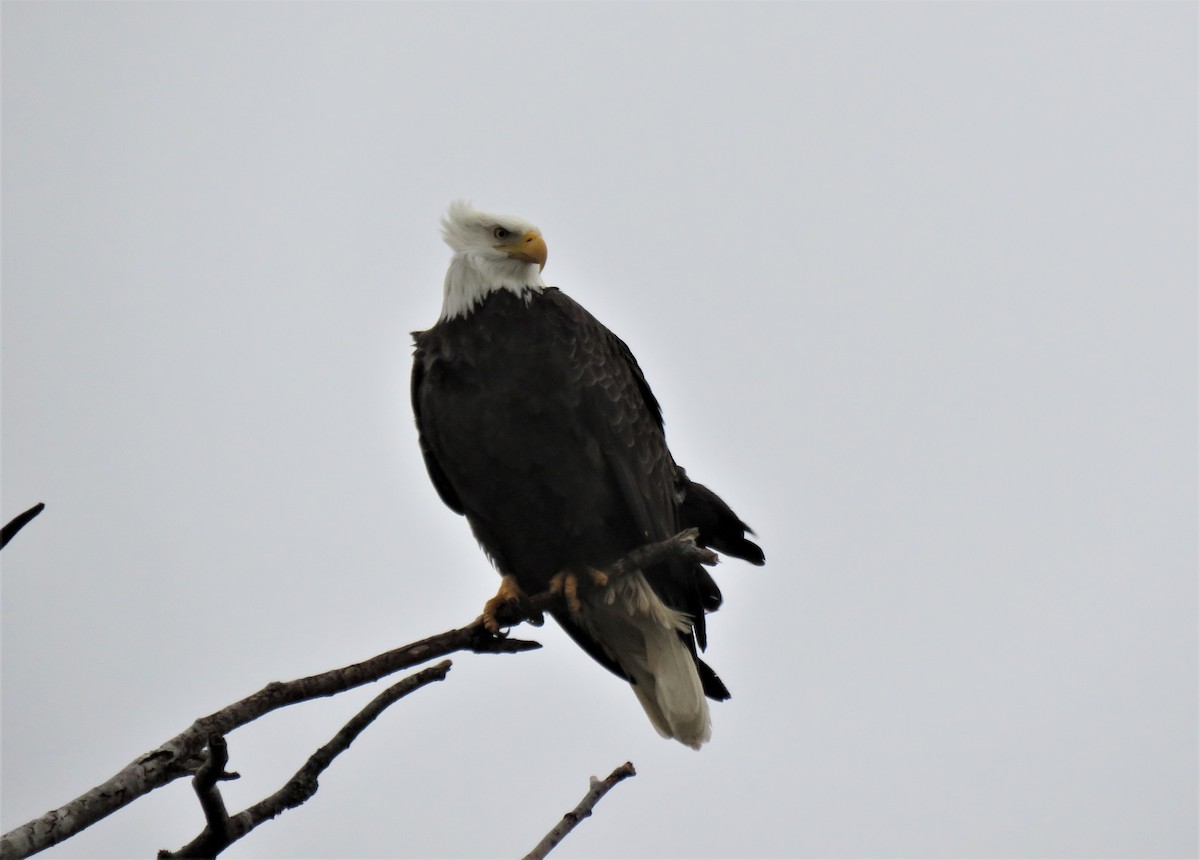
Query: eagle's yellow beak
point(530, 248)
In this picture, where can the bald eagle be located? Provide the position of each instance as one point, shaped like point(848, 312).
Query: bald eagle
point(537, 425)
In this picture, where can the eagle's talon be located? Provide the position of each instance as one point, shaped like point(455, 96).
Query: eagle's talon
point(566, 586)
point(508, 595)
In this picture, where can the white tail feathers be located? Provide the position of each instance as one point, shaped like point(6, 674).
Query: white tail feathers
point(640, 633)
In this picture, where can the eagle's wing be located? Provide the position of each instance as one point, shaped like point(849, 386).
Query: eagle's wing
point(626, 418)
point(441, 483)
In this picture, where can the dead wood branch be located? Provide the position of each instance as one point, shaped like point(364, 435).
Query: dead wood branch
point(205, 785)
point(571, 820)
point(682, 547)
point(223, 830)
point(184, 754)
point(19, 522)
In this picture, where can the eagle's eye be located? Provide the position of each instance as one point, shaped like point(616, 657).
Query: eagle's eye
point(500, 233)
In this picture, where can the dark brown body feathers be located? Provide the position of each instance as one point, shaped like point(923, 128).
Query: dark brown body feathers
point(537, 425)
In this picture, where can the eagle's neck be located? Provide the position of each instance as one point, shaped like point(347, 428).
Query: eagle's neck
point(471, 278)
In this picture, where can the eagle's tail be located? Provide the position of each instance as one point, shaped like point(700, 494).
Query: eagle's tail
point(670, 690)
point(641, 634)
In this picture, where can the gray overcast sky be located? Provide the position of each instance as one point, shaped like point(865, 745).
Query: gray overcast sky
point(915, 284)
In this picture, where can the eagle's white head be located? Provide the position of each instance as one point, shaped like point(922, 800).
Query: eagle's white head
point(491, 252)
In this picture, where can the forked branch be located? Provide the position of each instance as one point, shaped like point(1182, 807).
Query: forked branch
point(223, 830)
point(185, 754)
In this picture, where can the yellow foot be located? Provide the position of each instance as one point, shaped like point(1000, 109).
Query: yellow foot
point(508, 593)
point(599, 578)
point(566, 583)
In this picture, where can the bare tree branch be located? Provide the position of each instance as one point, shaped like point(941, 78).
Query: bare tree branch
point(223, 830)
point(184, 754)
point(571, 820)
point(682, 546)
point(205, 784)
point(18, 522)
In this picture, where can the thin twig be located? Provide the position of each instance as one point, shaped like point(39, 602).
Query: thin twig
point(571, 820)
point(682, 546)
point(18, 522)
point(303, 784)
